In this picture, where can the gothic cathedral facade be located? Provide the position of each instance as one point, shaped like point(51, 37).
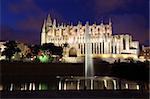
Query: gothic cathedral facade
point(104, 43)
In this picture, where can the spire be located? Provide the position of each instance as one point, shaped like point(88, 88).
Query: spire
point(94, 24)
point(43, 28)
point(62, 25)
point(54, 23)
point(71, 24)
point(87, 23)
point(102, 22)
point(79, 23)
point(43, 34)
point(110, 21)
point(49, 21)
point(87, 28)
point(58, 25)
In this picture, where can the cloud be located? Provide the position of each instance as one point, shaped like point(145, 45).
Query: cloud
point(103, 7)
point(30, 23)
point(133, 24)
point(126, 15)
point(25, 6)
point(31, 8)
point(31, 19)
point(33, 14)
point(9, 33)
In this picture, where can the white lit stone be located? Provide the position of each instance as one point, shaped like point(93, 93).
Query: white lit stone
point(74, 36)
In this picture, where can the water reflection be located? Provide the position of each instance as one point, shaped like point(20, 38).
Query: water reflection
point(75, 83)
point(98, 83)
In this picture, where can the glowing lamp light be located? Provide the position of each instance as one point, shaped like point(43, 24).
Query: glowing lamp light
point(11, 87)
point(32, 59)
point(43, 58)
point(105, 83)
point(127, 86)
point(1, 87)
point(137, 87)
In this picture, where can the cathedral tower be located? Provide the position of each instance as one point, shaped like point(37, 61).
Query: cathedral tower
point(43, 34)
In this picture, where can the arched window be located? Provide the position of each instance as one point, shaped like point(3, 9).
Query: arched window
point(115, 50)
point(72, 52)
point(100, 48)
point(124, 44)
point(92, 48)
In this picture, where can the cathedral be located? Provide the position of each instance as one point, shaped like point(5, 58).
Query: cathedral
point(103, 43)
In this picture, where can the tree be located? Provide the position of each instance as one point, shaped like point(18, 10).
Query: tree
point(10, 50)
point(28, 55)
point(54, 50)
point(48, 46)
point(35, 49)
point(58, 50)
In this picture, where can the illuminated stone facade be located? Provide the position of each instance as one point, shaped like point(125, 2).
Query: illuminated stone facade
point(2, 48)
point(145, 52)
point(104, 43)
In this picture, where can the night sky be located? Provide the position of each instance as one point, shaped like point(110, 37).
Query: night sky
point(22, 20)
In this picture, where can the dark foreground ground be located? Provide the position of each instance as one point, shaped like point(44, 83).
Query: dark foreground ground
point(23, 72)
point(37, 72)
point(99, 94)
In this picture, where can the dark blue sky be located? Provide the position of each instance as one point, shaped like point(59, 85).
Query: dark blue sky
point(22, 19)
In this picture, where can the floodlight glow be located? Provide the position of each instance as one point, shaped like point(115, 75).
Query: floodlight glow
point(60, 85)
point(11, 87)
point(1, 87)
point(43, 86)
point(137, 87)
point(127, 86)
point(115, 85)
point(105, 83)
point(43, 58)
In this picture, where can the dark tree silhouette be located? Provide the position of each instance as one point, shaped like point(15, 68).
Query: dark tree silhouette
point(10, 50)
point(50, 47)
point(35, 49)
point(58, 50)
point(29, 55)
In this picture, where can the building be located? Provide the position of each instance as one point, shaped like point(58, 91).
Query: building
point(104, 43)
point(145, 52)
point(2, 48)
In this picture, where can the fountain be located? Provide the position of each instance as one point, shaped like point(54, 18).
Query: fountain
point(87, 80)
point(89, 72)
